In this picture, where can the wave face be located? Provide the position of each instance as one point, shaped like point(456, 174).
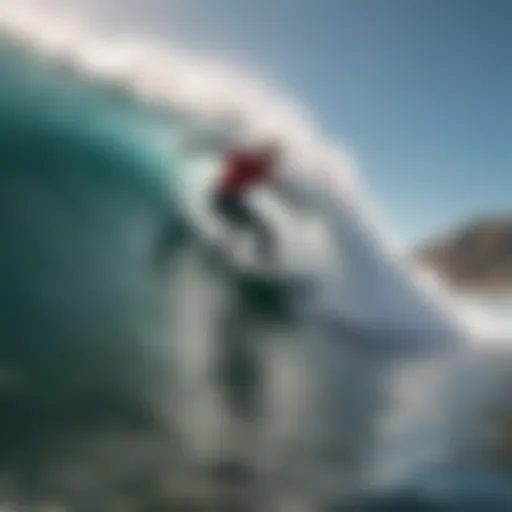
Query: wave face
point(119, 331)
point(136, 370)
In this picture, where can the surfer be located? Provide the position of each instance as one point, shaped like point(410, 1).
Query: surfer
point(243, 170)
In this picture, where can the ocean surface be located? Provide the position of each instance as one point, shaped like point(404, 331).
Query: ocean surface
point(139, 371)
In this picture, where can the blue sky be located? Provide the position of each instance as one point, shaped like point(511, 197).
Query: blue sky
point(420, 90)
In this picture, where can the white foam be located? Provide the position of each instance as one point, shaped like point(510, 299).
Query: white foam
point(211, 90)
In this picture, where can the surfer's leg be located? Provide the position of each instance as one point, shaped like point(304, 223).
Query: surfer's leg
point(264, 238)
point(265, 243)
point(239, 215)
point(225, 206)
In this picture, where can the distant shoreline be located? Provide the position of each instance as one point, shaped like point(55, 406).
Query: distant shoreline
point(474, 259)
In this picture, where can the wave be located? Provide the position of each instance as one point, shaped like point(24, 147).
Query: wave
point(133, 352)
point(111, 304)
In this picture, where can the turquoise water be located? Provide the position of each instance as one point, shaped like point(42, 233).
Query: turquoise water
point(108, 300)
